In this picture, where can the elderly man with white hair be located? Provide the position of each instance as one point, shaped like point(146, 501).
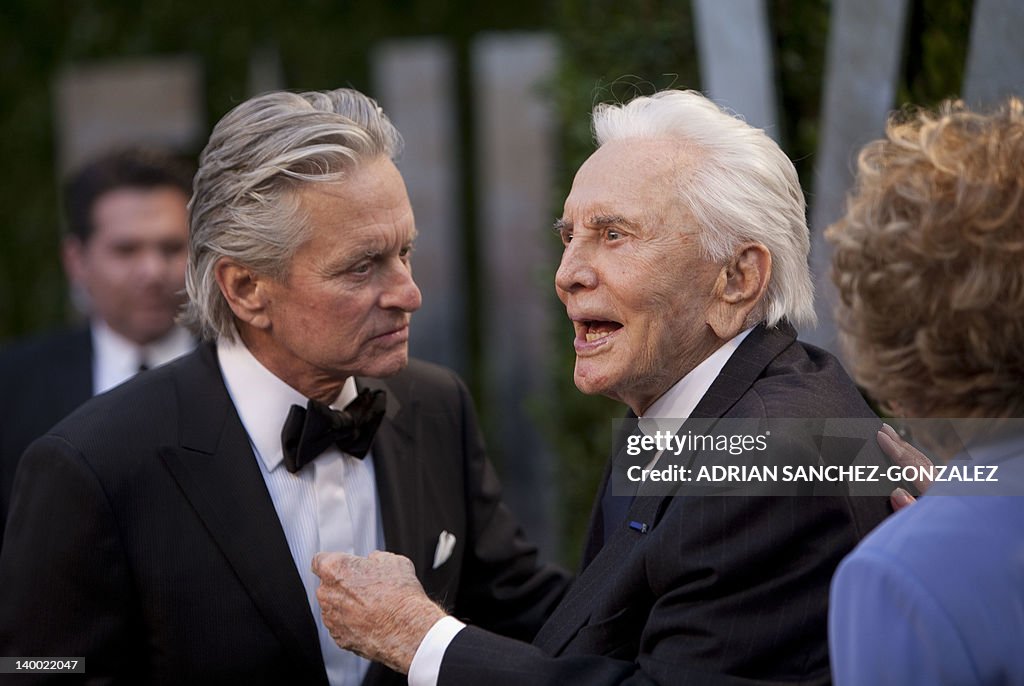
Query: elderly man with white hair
point(684, 272)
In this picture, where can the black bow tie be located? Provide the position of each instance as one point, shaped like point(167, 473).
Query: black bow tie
point(310, 431)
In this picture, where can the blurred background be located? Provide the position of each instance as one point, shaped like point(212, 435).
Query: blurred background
point(493, 100)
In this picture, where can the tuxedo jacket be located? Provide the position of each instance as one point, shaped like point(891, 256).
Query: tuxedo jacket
point(142, 537)
point(42, 380)
point(709, 590)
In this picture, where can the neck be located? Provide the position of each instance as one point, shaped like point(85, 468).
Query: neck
point(309, 381)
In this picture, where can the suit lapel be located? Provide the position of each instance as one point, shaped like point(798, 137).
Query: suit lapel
point(573, 613)
point(217, 471)
point(595, 538)
point(397, 469)
point(749, 361)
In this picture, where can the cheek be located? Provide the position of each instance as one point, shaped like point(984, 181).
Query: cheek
point(114, 280)
point(655, 349)
point(633, 359)
point(178, 267)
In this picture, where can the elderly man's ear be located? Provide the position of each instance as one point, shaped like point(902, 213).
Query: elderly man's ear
point(245, 291)
point(739, 289)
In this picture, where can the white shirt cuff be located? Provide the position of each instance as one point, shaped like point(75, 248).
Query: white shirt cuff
point(426, 663)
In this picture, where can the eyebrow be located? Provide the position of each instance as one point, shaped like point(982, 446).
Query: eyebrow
point(380, 247)
point(603, 220)
point(598, 222)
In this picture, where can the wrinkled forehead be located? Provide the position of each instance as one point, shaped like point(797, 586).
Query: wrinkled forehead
point(638, 179)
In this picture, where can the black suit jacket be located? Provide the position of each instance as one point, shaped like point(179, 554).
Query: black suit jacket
point(42, 380)
point(718, 590)
point(142, 536)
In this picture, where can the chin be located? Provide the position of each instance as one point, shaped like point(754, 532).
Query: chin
point(386, 368)
point(589, 386)
point(147, 336)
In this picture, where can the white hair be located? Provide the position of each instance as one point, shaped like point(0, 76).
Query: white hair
point(739, 186)
point(245, 204)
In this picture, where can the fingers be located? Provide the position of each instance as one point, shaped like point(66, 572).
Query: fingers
point(332, 564)
point(900, 499)
point(337, 567)
point(904, 455)
point(374, 605)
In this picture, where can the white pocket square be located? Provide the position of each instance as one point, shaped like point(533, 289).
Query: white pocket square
point(445, 546)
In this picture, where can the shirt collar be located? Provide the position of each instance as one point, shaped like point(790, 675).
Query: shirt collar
point(113, 348)
point(679, 401)
point(117, 359)
point(177, 342)
point(263, 400)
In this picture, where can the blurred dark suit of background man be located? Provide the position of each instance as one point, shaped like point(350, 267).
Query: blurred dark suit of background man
point(165, 530)
point(124, 255)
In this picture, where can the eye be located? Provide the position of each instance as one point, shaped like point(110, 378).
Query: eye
point(361, 268)
point(171, 250)
point(613, 235)
point(406, 252)
point(126, 249)
point(565, 235)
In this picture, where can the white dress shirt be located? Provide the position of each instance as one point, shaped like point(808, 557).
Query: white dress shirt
point(678, 402)
point(115, 359)
point(329, 505)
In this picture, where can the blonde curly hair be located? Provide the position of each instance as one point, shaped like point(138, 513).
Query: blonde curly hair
point(929, 263)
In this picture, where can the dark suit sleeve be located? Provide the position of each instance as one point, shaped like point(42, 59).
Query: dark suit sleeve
point(728, 616)
point(503, 588)
point(723, 591)
point(64, 581)
point(479, 657)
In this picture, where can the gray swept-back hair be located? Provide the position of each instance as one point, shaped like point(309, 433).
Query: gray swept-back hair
point(244, 203)
point(739, 186)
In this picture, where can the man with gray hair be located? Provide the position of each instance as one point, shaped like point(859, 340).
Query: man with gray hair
point(164, 531)
point(684, 271)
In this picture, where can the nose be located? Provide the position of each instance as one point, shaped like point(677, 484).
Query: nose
point(151, 265)
point(575, 271)
point(401, 292)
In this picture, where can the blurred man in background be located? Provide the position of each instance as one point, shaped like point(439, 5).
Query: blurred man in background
point(124, 255)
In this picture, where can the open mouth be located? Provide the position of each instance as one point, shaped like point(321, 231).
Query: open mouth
point(595, 329)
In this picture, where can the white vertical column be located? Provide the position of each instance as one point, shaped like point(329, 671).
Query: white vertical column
point(101, 105)
point(995, 58)
point(413, 80)
point(735, 55)
point(266, 73)
point(515, 165)
point(865, 45)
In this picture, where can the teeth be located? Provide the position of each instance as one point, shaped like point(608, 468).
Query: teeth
point(591, 337)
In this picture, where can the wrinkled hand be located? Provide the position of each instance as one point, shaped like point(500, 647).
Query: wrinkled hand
point(374, 606)
point(905, 455)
